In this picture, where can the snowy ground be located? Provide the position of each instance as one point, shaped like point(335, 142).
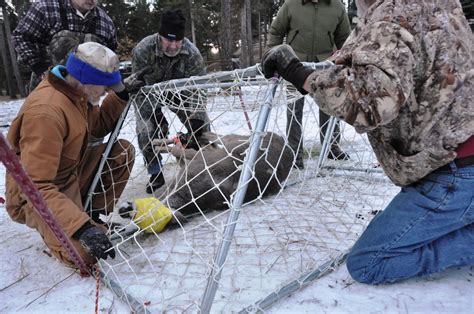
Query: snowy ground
point(33, 282)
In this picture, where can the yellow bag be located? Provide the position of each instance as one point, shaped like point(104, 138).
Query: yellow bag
point(152, 215)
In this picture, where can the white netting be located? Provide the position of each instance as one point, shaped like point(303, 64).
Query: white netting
point(308, 220)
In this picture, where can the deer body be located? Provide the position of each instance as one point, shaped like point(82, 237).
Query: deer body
point(208, 177)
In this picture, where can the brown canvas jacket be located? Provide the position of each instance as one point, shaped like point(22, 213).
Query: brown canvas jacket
point(50, 135)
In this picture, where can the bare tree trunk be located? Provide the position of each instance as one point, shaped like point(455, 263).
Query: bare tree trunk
point(193, 28)
point(226, 36)
point(6, 66)
point(244, 52)
point(248, 21)
point(260, 46)
point(265, 33)
point(16, 71)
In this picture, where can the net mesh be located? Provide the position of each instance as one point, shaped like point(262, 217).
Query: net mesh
point(296, 221)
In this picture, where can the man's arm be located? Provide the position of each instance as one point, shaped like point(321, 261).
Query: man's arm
point(371, 82)
point(102, 119)
point(195, 64)
point(109, 26)
point(27, 39)
point(141, 57)
point(279, 27)
point(343, 30)
point(373, 79)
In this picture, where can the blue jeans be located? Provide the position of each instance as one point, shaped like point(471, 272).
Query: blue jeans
point(426, 228)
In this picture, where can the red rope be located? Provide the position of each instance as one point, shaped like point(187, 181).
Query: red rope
point(97, 287)
point(15, 169)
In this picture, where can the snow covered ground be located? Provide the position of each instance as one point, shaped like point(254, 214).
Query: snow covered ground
point(33, 282)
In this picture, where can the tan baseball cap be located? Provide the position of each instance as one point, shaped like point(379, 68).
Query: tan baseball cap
point(93, 63)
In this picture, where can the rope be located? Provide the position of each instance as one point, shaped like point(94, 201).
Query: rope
point(15, 169)
point(97, 287)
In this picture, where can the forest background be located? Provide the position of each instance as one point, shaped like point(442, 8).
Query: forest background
point(227, 32)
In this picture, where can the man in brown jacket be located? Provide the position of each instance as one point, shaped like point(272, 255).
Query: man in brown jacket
point(50, 135)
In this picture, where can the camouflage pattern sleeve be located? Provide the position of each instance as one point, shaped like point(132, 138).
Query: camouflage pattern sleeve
point(195, 67)
point(373, 79)
point(194, 64)
point(140, 57)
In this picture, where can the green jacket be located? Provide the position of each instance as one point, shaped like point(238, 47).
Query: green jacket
point(313, 30)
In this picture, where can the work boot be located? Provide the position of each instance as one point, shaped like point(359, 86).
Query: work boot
point(156, 181)
point(337, 154)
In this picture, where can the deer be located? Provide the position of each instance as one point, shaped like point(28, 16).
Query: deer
point(209, 173)
point(210, 169)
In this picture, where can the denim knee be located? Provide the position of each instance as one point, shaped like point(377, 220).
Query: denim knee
point(357, 266)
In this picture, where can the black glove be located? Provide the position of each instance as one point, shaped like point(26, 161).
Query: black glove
point(187, 140)
point(94, 241)
point(135, 81)
point(195, 129)
point(282, 59)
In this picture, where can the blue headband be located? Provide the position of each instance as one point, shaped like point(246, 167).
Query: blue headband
point(87, 74)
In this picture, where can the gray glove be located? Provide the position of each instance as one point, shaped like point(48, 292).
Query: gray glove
point(118, 87)
point(95, 241)
point(135, 81)
point(283, 60)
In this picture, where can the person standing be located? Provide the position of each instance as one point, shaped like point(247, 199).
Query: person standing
point(169, 55)
point(314, 29)
point(52, 28)
point(405, 77)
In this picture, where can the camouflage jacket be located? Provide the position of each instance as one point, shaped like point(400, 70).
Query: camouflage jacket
point(148, 52)
point(405, 76)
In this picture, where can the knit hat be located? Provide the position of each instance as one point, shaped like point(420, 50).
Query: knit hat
point(172, 25)
point(95, 64)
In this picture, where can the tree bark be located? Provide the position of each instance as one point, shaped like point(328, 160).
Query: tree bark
point(259, 25)
point(16, 71)
point(191, 16)
point(244, 52)
point(226, 36)
point(6, 66)
point(248, 21)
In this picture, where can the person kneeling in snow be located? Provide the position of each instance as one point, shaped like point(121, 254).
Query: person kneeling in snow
point(50, 135)
point(408, 83)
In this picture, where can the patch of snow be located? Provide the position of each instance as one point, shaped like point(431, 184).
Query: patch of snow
point(33, 282)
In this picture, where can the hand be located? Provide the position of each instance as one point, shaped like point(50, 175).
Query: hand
point(118, 87)
point(135, 81)
point(195, 129)
point(95, 241)
point(282, 60)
